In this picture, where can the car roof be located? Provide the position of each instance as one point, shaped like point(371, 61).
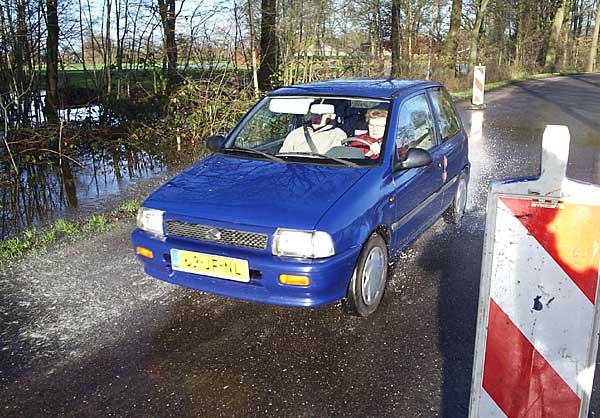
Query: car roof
point(376, 88)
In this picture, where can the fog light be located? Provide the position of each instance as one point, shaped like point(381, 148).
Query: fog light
point(293, 280)
point(144, 252)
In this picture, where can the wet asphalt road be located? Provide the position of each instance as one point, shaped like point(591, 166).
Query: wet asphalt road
point(83, 333)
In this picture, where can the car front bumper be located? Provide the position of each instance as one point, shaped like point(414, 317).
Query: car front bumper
point(329, 277)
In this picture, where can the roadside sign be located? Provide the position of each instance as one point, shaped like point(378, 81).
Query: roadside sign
point(537, 325)
point(478, 85)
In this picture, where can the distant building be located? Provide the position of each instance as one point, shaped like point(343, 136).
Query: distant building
point(322, 50)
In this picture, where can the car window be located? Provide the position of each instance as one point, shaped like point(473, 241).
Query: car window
point(264, 127)
point(449, 122)
point(336, 128)
point(415, 126)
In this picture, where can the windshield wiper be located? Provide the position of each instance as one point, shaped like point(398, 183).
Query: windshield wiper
point(323, 156)
point(253, 151)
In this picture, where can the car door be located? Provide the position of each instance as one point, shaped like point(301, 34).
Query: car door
point(453, 141)
point(417, 190)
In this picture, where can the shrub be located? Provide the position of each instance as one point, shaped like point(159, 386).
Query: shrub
point(130, 208)
point(96, 223)
point(65, 227)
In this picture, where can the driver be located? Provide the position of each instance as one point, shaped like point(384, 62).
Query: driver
point(376, 119)
point(321, 131)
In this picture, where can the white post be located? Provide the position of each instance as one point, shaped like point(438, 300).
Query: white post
point(478, 87)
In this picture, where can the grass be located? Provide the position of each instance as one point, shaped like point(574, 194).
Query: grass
point(36, 240)
point(502, 83)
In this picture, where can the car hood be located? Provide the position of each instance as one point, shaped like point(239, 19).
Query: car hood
point(255, 192)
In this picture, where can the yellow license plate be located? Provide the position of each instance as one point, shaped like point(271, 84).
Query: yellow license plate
point(210, 265)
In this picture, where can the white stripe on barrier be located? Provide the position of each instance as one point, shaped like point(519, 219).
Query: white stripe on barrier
point(539, 275)
point(488, 408)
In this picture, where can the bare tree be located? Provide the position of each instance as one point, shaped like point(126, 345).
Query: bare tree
point(557, 22)
point(253, 50)
point(452, 38)
point(591, 64)
point(474, 44)
point(395, 35)
point(51, 61)
point(268, 46)
point(168, 17)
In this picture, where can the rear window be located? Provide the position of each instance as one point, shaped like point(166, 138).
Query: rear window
point(449, 122)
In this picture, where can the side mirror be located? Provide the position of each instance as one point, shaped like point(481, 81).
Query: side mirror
point(214, 143)
point(415, 157)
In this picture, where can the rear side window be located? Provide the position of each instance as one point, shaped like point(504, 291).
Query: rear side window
point(449, 123)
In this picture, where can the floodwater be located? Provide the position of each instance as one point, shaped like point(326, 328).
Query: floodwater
point(45, 191)
point(76, 188)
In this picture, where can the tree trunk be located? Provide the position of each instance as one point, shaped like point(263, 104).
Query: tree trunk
point(592, 58)
point(108, 49)
point(120, 14)
point(474, 43)
point(435, 15)
point(408, 24)
point(451, 40)
point(51, 62)
point(396, 50)
point(22, 45)
point(253, 50)
point(550, 61)
point(565, 34)
point(268, 46)
point(168, 16)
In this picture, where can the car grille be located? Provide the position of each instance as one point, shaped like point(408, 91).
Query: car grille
point(214, 234)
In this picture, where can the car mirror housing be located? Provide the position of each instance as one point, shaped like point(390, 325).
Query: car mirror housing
point(214, 142)
point(415, 157)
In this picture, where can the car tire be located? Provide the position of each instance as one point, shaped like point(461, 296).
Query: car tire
point(369, 278)
point(456, 211)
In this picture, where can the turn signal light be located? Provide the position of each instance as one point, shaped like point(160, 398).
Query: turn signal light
point(144, 252)
point(294, 280)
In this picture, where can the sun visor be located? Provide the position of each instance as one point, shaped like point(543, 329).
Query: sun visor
point(293, 105)
point(322, 109)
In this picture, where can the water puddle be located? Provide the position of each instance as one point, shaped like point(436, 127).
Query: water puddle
point(50, 189)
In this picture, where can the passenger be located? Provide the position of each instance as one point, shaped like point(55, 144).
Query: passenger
point(376, 119)
point(323, 134)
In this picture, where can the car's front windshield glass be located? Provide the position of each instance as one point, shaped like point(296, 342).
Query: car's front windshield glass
point(320, 130)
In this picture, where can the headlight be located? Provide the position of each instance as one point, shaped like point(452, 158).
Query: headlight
point(295, 243)
point(150, 220)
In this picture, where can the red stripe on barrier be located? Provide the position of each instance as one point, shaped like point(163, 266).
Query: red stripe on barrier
point(560, 233)
point(521, 382)
point(478, 84)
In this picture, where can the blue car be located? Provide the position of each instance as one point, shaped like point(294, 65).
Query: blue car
point(305, 201)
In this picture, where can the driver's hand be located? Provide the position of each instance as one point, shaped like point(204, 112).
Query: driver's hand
point(375, 148)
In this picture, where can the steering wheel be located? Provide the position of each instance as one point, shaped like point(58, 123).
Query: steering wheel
point(355, 139)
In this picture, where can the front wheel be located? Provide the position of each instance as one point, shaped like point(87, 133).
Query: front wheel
point(456, 210)
point(369, 278)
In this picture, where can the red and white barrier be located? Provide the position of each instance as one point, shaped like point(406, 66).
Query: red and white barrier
point(478, 85)
point(537, 326)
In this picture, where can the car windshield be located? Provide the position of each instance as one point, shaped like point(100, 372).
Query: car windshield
point(319, 130)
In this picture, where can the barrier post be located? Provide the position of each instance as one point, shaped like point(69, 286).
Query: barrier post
point(478, 87)
point(538, 320)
